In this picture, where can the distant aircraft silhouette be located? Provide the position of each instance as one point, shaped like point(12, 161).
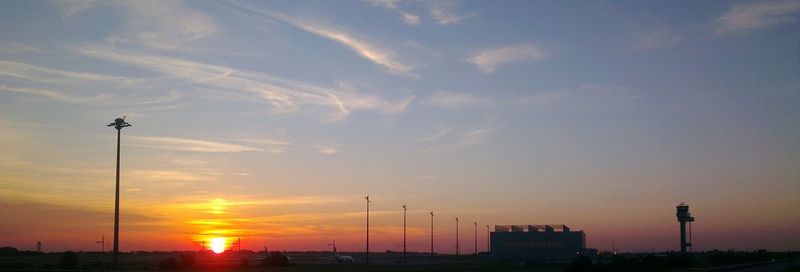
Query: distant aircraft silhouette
point(340, 259)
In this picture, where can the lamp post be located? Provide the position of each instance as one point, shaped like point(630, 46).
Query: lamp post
point(488, 238)
point(476, 238)
point(457, 237)
point(431, 234)
point(118, 124)
point(405, 258)
point(367, 198)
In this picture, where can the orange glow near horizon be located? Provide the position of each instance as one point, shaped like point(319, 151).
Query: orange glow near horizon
point(218, 245)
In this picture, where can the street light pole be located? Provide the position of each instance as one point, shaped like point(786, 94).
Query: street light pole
point(431, 234)
point(367, 198)
point(457, 237)
point(118, 124)
point(488, 235)
point(476, 238)
point(405, 258)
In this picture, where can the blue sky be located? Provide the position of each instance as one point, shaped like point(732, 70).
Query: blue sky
point(592, 114)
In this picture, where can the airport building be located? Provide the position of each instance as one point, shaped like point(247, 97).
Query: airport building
point(536, 243)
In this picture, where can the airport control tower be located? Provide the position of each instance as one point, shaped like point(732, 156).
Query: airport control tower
point(683, 217)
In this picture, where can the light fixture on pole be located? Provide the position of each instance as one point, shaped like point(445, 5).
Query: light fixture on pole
point(368, 201)
point(405, 258)
point(457, 237)
point(431, 233)
point(118, 124)
point(488, 235)
point(476, 238)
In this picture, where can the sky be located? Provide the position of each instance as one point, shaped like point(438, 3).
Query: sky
point(270, 121)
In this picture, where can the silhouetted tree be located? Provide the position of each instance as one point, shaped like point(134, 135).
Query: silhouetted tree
point(244, 263)
point(69, 260)
point(8, 251)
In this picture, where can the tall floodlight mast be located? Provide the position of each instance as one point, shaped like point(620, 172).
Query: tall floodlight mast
point(405, 257)
point(367, 198)
point(431, 233)
point(457, 237)
point(488, 235)
point(118, 124)
point(476, 238)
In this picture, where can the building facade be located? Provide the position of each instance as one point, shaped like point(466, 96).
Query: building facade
point(536, 243)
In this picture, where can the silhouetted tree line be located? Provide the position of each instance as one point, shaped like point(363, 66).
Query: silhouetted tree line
point(645, 262)
point(185, 262)
point(630, 263)
point(11, 251)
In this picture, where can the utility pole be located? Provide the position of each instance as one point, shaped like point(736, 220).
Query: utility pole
point(118, 124)
point(431, 233)
point(457, 237)
point(367, 198)
point(405, 257)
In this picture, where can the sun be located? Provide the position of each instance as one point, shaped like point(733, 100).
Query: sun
point(218, 245)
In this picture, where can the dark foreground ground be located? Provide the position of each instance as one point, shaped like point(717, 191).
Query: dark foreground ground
point(321, 261)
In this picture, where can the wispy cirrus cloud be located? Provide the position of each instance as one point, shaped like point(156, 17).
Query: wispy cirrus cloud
point(17, 48)
point(445, 140)
point(55, 76)
point(284, 95)
point(435, 136)
point(489, 59)
point(408, 17)
point(446, 12)
point(54, 95)
point(445, 99)
point(328, 149)
point(172, 175)
point(753, 15)
point(166, 25)
point(184, 144)
point(370, 50)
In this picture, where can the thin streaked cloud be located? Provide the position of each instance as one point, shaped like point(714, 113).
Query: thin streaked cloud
point(435, 136)
point(444, 142)
point(185, 144)
point(407, 17)
point(489, 59)
point(17, 48)
point(370, 50)
point(328, 149)
point(283, 95)
point(446, 12)
point(377, 54)
point(444, 99)
point(54, 95)
point(55, 76)
point(754, 15)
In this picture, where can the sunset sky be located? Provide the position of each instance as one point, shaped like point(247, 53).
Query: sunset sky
point(270, 121)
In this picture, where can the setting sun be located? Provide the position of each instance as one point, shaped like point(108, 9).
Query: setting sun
point(218, 245)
